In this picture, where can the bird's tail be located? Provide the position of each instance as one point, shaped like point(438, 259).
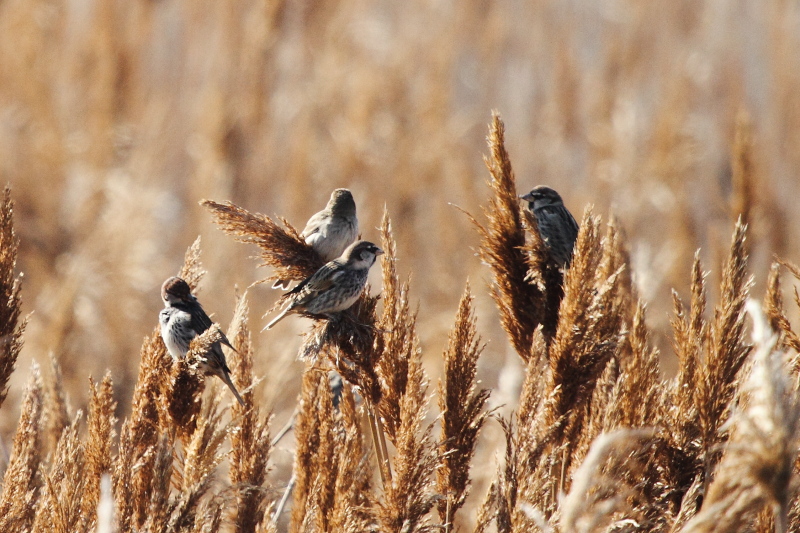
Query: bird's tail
point(227, 379)
point(282, 284)
point(278, 318)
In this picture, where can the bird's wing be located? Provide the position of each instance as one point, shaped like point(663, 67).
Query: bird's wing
point(314, 223)
point(201, 322)
point(322, 280)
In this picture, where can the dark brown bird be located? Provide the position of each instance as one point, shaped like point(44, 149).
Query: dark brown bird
point(557, 226)
point(182, 319)
point(335, 286)
point(331, 230)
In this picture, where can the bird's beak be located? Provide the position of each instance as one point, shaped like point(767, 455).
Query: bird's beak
point(379, 252)
point(526, 197)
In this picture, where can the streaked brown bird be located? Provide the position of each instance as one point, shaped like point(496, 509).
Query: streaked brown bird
point(331, 230)
point(182, 319)
point(335, 286)
point(557, 226)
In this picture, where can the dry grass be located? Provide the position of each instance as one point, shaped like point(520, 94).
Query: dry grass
point(629, 393)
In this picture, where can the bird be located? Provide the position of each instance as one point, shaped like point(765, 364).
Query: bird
point(331, 230)
point(181, 320)
point(335, 286)
point(557, 226)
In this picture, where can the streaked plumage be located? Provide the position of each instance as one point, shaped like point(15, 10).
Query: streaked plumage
point(331, 230)
point(335, 286)
point(557, 226)
point(182, 319)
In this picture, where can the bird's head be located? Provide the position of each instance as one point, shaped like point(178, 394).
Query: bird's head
point(342, 203)
point(542, 196)
point(361, 254)
point(175, 290)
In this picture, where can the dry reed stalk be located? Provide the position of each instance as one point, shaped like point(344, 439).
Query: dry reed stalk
point(11, 328)
point(716, 379)
point(636, 399)
point(267, 524)
point(759, 464)
point(690, 338)
point(569, 383)
point(407, 499)
point(353, 501)
point(202, 455)
point(192, 270)
point(98, 447)
point(21, 482)
point(462, 411)
point(139, 436)
point(681, 455)
point(56, 416)
point(250, 439)
point(774, 309)
point(522, 305)
point(333, 493)
point(487, 512)
point(506, 492)
point(590, 328)
point(601, 485)
point(281, 247)
point(312, 457)
point(157, 500)
point(397, 343)
point(61, 500)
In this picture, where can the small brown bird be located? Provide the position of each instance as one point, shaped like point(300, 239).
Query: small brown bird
point(557, 226)
point(331, 230)
point(335, 286)
point(182, 319)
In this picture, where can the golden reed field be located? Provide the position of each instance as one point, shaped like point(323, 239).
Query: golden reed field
point(652, 386)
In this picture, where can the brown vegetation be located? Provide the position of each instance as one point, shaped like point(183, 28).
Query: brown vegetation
point(590, 399)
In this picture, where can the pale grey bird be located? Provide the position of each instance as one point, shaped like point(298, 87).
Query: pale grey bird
point(182, 319)
point(331, 230)
point(557, 226)
point(335, 286)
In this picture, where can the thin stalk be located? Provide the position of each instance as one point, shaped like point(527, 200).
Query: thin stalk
point(376, 427)
point(285, 498)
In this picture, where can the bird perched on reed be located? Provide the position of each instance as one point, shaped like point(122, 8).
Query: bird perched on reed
point(182, 319)
point(331, 230)
point(557, 226)
point(335, 286)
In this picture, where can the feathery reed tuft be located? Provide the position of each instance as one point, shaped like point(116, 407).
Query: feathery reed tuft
point(10, 294)
point(759, 463)
point(250, 439)
point(716, 379)
point(462, 409)
point(98, 447)
point(281, 247)
point(21, 482)
point(522, 305)
point(397, 343)
point(408, 498)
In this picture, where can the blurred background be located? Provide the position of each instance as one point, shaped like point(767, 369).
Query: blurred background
point(118, 116)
